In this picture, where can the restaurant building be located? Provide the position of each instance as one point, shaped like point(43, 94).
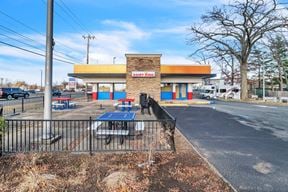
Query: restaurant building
point(142, 73)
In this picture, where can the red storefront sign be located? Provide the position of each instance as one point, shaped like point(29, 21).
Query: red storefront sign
point(143, 74)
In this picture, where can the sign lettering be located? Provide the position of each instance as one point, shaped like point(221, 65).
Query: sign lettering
point(145, 74)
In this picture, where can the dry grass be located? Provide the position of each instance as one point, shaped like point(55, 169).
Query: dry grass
point(173, 172)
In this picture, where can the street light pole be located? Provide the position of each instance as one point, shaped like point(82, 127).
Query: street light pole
point(48, 71)
point(114, 58)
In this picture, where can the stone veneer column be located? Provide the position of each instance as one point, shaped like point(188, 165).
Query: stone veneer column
point(95, 92)
point(149, 85)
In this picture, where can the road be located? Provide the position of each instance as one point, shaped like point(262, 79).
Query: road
point(247, 143)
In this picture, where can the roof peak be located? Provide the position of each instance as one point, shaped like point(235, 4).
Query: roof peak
point(142, 55)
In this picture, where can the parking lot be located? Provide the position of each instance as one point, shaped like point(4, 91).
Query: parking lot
point(247, 143)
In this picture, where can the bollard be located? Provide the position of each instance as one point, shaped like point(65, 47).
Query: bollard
point(22, 105)
point(90, 136)
point(1, 111)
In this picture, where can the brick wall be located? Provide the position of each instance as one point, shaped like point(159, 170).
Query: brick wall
point(151, 86)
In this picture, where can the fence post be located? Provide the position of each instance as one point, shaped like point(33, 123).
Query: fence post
point(1, 111)
point(90, 135)
point(173, 135)
point(22, 105)
point(2, 131)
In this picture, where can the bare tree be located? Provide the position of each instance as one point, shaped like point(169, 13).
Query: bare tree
point(279, 51)
point(236, 28)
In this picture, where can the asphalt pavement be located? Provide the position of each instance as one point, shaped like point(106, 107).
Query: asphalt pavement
point(247, 143)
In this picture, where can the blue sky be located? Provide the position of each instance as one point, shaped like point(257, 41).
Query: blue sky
point(124, 26)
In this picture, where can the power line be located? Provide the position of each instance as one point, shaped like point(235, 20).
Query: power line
point(34, 30)
point(30, 39)
point(19, 34)
point(14, 39)
point(33, 52)
point(19, 22)
point(30, 45)
point(73, 16)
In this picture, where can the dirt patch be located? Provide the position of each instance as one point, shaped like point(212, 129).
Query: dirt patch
point(180, 171)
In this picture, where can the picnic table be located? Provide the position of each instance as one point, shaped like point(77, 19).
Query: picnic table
point(126, 103)
point(62, 103)
point(117, 125)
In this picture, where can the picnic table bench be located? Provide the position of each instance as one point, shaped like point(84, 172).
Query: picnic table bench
point(126, 104)
point(117, 125)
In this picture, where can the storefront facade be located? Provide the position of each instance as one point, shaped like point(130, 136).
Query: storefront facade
point(143, 73)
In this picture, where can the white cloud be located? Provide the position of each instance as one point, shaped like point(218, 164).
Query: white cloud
point(176, 59)
point(181, 29)
point(120, 39)
point(108, 44)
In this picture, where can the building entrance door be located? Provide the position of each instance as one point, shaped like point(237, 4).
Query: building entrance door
point(181, 91)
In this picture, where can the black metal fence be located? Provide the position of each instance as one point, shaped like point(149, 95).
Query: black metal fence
point(159, 111)
point(15, 106)
point(162, 114)
point(86, 135)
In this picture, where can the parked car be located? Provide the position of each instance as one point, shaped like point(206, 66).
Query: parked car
point(10, 93)
point(31, 91)
point(56, 92)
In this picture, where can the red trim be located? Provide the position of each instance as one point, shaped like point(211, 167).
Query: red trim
point(111, 95)
point(190, 95)
point(174, 95)
point(94, 96)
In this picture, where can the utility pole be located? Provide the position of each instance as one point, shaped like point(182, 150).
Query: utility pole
point(88, 37)
point(41, 80)
point(47, 134)
point(2, 81)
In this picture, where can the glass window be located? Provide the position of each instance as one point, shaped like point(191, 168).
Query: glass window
point(104, 87)
point(166, 87)
point(120, 87)
point(222, 90)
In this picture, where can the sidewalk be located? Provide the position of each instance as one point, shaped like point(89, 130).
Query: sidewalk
point(185, 102)
point(252, 101)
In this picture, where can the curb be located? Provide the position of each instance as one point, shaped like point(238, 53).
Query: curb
point(186, 104)
point(208, 163)
point(174, 105)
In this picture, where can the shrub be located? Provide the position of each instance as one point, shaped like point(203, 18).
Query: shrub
point(2, 125)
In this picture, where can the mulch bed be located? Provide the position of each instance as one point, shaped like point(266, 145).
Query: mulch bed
point(180, 171)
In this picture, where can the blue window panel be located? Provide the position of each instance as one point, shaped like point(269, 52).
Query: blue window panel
point(104, 95)
point(166, 95)
point(119, 95)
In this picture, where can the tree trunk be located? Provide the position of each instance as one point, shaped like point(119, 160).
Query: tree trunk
point(232, 72)
point(244, 86)
point(280, 80)
point(259, 77)
point(286, 78)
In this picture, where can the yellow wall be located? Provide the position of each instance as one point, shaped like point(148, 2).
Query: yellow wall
point(185, 69)
point(87, 68)
point(121, 69)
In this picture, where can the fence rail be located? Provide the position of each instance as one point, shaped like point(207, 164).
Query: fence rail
point(87, 135)
point(11, 107)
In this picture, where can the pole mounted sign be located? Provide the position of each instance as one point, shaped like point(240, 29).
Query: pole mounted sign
point(145, 74)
